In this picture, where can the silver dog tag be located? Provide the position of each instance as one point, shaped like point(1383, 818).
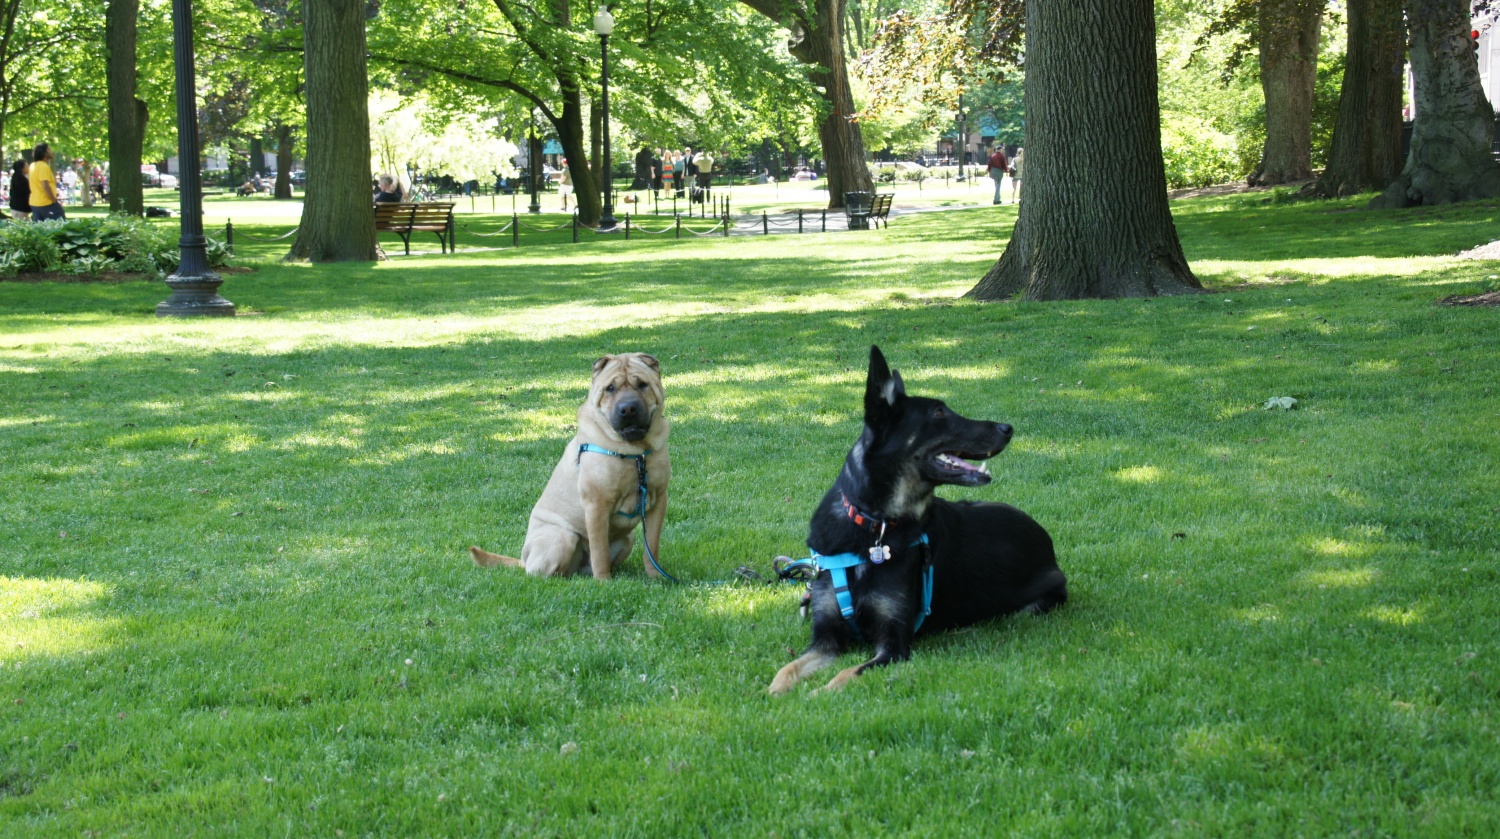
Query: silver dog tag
point(880, 553)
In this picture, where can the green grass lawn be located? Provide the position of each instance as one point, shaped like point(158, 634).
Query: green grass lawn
point(235, 598)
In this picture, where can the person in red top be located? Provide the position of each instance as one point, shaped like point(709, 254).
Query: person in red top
point(998, 165)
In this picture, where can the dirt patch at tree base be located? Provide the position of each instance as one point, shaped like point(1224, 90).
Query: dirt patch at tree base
point(1489, 298)
point(1490, 251)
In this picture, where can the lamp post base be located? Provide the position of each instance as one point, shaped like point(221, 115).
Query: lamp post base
point(195, 297)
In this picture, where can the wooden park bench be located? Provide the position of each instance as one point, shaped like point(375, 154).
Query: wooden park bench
point(860, 215)
point(403, 219)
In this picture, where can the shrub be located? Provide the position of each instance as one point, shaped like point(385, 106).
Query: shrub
point(1196, 154)
point(30, 247)
point(94, 244)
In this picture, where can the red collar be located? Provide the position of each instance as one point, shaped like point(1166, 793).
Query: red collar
point(864, 520)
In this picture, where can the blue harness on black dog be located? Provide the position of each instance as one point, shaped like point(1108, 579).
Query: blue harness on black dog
point(838, 567)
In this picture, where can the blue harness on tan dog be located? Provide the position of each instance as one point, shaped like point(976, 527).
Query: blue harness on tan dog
point(640, 507)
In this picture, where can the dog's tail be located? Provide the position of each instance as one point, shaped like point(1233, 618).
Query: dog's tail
point(485, 559)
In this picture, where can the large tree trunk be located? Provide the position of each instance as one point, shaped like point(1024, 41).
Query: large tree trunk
point(1289, 31)
point(127, 113)
point(1094, 220)
point(338, 224)
point(570, 134)
point(283, 161)
point(822, 47)
point(1450, 158)
point(1365, 154)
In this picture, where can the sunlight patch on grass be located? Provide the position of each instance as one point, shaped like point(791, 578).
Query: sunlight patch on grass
point(1319, 271)
point(1348, 578)
point(320, 440)
point(1395, 615)
point(1225, 743)
point(1381, 365)
point(42, 618)
point(1342, 548)
point(8, 422)
point(1138, 475)
point(1263, 613)
point(270, 395)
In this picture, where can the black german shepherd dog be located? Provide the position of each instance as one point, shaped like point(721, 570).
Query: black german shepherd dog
point(901, 546)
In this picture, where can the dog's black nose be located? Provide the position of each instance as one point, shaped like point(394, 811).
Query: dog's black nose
point(1004, 429)
point(628, 410)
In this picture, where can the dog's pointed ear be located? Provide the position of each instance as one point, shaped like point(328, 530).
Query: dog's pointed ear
point(599, 365)
point(883, 387)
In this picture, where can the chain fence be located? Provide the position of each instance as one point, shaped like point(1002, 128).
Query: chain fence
point(724, 224)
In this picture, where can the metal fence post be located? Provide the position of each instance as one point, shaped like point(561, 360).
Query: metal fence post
point(765, 224)
point(515, 230)
point(575, 228)
point(726, 225)
point(679, 223)
point(229, 235)
point(825, 221)
point(799, 221)
point(627, 227)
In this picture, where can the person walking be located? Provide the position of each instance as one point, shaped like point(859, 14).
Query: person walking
point(657, 175)
point(565, 184)
point(20, 189)
point(669, 172)
point(705, 163)
point(45, 203)
point(998, 166)
point(1015, 175)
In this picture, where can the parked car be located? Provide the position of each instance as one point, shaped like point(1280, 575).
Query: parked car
point(150, 176)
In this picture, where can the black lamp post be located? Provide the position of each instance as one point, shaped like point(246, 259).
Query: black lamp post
point(604, 23)
point(534, 158)
point(963, 136)
point(195, 288)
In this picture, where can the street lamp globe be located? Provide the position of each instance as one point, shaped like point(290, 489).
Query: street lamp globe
point(604, 22)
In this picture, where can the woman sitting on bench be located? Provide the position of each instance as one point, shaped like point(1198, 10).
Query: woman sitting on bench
point(389, 192)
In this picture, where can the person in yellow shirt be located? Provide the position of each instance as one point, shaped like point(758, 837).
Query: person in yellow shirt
point(44, 201)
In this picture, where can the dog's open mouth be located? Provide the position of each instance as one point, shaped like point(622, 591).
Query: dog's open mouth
point(955, 468)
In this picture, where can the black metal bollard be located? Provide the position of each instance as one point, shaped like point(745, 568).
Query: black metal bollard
point(627, 227)
point(229, 236)
point(515, 230)
point(825, 221)
point(679, 223)
point(765, 224)
point(799, 221)
point(726, 225)
point(575, 228)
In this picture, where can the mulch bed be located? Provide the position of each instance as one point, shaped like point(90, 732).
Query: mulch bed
point(1489, 298)
point(106, 277)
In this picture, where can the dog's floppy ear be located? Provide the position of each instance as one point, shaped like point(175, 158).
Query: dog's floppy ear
point(650, 361)
point(599, 365)
point(883, 386)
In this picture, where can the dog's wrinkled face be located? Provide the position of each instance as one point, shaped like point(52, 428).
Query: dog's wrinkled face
point(627, 393)
point(923, 438)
